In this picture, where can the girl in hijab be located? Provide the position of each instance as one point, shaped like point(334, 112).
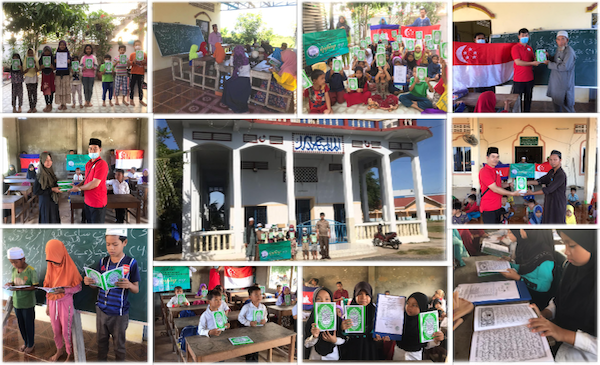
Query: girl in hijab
point(571, 316)
point(286, 291)
point(286, 77)
point(46, 187)
point(63, 79)
point(536, 217)
point(534, 262)
point(31, 172)
point(11, 170)
point(396, 61)
point(343, 24)
point(219, 53)
point(369, 54)
point(487, 103)
point(203, 49)
point(420, 56)
point(236, 90)
point(323, 345)
point(61, 273)
point(570, 217)
point(144, 178)
point(48, 87)
point(364, 346)
point(410, 348)
point(361, 95)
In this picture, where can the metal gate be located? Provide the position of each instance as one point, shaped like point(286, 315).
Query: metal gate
point(338, 230)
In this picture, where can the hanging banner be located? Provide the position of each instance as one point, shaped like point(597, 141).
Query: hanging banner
point(75, 161)
point(522, 169)
point(385, 31)
point(320, 46)
point(411, 32)
point(127, 159)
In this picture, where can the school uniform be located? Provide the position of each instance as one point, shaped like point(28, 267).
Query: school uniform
point(112, 308)
point(246, 316)
point(207, 322)
point(120, 188)
point(174, 301)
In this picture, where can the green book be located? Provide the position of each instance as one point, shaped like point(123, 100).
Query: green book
point(181, 299)
point(380, 57)
point(444, 50)
point(262, 289)
point(108, 67)
point(380, 48)
point(16, 64)
point(428, 325)
point(313, 238)
point(325, 316)
point(257, 316)
point(271, 235)
point(540, 55)
point(362, 56)
point(422, 73)
point(220, 319)
point(89, 63)
point(429, 44)
point(30, 62)
point(437, 36)
point(306, 83)
point(356, 313)
point(375, 38)
point(355, 50)
point(363, 44)
point(204, 293)
point(65, 185)
point(107, 280)
point(292, 235)
point(75, 65)
point(428, 37)
point(139, 55)
point(263, 236)
point(287, 299)
point(395, 46)
point(122, 59)
point(353, 83)
point(419, 34)
point(495, 249)
point(337, 65)
point(47, 61)
point(410, 44)
point(243, 340)
point(520, 183)
point(394, 33)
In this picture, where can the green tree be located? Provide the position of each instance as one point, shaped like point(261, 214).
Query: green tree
point(373, 191)
point(249, 28)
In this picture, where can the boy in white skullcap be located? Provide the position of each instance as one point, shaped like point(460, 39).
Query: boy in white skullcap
point(112, 307)
point(23, 298)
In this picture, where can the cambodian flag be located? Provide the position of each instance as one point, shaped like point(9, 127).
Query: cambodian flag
point(385, 29)
point(481, 64)
point(307, 297)
point(27, 159)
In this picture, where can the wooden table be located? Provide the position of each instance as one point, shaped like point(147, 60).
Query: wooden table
point(144, 188)
point(240, 298)
point(181, 323)
point(180, 69)
point(198, 309)
point(214, 349)
point(26, 192)
point(280, 311)
point(11, 202)
point(471, 100)
point(18, 181)
point(122, 201)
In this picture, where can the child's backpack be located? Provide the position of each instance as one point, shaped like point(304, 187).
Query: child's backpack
point(186, 313)
point(185, 332)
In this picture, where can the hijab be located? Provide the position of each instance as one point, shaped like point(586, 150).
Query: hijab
point(203, 48)
point(576, 296)
point(64, 50)
point(13, 171)
point(322, 347)
point(418, 55)
point(199, 293)
point(410, 334)
point(486, 103)
point(31, 174)
point(382, 21)
point(363, 346)
point(289, 60)
point(536, 219)
point(144, 177)
point(193, 51)
point(46, 176)
point(219, 53)
point(277, 54)
point(239, 59)
point(532, 251)
point(65, 274)
point(411, 64)
point(343, 24)
point(571, 219)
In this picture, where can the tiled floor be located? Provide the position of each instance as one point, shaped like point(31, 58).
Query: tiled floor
point(45, 347)
point(96, 102)
point(179, 97)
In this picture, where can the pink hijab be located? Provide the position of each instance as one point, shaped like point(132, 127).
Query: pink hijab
point(288, 57)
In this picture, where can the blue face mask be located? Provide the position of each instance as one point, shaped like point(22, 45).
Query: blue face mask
point(524, 40)
point(480, 41)
point(93, 155)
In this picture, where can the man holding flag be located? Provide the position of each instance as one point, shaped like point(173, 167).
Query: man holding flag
point(524, 59)
point(555, 198)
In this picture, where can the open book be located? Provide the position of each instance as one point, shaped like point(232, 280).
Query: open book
point(495, 249)
point(489, 267)
point(107, 280)
point(501, 334)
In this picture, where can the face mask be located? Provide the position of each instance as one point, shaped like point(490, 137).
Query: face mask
point(137, 48)
point(480, 41)
point(524, 40)
point(93, 155)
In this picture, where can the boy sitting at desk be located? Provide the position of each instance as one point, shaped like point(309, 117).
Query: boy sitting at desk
point(253, 314)
point(174, 301)
point(119, 186)
point(207, 326)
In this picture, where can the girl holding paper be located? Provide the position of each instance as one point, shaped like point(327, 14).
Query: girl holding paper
point(48, 65)
point(63, 76)
point(61, 273)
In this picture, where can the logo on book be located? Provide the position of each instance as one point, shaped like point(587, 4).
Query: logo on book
point(354, 315)
point(326, 315)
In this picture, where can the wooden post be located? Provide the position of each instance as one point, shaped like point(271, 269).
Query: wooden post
point(7, 309)
point(77, 335)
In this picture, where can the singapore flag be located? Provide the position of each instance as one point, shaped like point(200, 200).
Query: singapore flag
point(482, 64)
point(127, 159)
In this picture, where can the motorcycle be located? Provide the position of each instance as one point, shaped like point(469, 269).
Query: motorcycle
point(386, 240)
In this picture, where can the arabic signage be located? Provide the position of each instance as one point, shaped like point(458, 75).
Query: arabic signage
point(316, 143)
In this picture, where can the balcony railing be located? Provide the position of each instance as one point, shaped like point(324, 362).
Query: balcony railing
point(211, 241)
point(376, 125)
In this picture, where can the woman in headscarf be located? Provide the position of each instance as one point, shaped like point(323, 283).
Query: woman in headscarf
point(286, 77)
point(61, 273)
point(534, 262)
point(48, 87)
point(382, 21)
point(571, 316)
point(537, 216)
point(236, 90)
point(323, 345)
point(420, 56)
point(410, 348)
point(46, 187)
point(144, 179)
point(369, 56)
point(343, 24)
point(63, 79)
point(203, 49)
point(363, 346)
point(31, 175)
point(11, 170)
point(219, 53)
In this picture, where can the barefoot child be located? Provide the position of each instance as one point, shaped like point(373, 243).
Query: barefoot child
point(291, 236)
point(174, 301)
point(382, 79)
point(76, 83)
point(417, 97)
point(107, 80)
point(305, 254)
point(24, 298)
point(31, 81)
point(16, 80)
point(249, 315)
point(48, 87)
point(63, 78)
point(207, 326)
point(63, 274)
point(121, 63)
point(137, 72)
point(318, 94)
point(112, 307)
point(88, 74)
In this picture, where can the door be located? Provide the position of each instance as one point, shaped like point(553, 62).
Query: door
point(339, 213)
point(258, 213)
point(302, 210)
point(533, 154)
point(204, 28)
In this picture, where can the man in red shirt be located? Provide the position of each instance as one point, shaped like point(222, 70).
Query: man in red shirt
point(340, 293)
point(94, 185)
point(524, 59)
point(492, 189)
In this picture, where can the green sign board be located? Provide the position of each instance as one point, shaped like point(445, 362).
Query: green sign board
point(75, 161)
point(528, 141)
point(522, 169)
point(275, 251)
point(320, 46)
point(166, 278)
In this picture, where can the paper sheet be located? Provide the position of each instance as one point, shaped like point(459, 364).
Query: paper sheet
point(390, 314)
point(400, 74)
point(491, 266)
point(482, 292)
point(9, 287)
point(502, 316)
point(61, 60)
point(509, 344)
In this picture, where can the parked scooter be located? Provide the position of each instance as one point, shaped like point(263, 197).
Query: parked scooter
point(386, 240)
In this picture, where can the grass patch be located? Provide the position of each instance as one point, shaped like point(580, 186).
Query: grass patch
point(437, 227)
point(421, 251)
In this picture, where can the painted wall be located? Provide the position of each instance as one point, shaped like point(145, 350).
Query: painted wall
point(182, 13)
point(201, 276)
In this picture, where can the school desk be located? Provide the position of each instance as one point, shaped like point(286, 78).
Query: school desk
point(18, 181)
point(123, 201)
point(471, 100)
point(280, 311)
point(12, 202)
point(241, 298)
point(26, 192)
point(174, 311)
point(218, 348)
point(144, 189)
point(181, 323)
point(180, 69)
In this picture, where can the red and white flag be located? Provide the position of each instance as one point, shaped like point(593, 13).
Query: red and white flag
point(127, 159)
point(409, 32)
point(238, 277)
point(482, 64)
point(542, 169)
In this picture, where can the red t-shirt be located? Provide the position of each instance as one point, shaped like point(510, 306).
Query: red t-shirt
point(96, 198)
point(490, 201)
point(320, 104)
point(524, 53)
point(214, 278)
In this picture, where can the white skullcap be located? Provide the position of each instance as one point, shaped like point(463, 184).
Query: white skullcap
point(250, 219)
point(562, 33)
point(121, 232)
point(15, 253)
point(254, 54)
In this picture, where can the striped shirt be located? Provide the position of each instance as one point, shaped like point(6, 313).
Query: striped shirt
point(114, 302)
point(120, 68)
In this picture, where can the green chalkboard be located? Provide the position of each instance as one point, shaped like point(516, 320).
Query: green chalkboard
point(175, 39)
point(583, 41)
point(86, 247)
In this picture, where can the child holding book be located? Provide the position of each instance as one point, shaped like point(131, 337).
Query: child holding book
point(61, 273)
point(31, 80)
point(120, 64)
point(89, 66)
point(107, 71)
point(175, 302)
point(314, 245)
point(305, 244)
point(76, 83)
point(207, 325)
point(16, 80)
point(112, 306)
point(253, 314)
point(335, 79)
point(138, 69)
point(286, 292)
point(417, 97)
point(48, 65)
point(360, 95)
point(23, 298)
point(199, 295)
point(318, 94)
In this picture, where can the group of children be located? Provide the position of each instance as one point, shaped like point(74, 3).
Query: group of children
point(62, 274)
point(308, 241)
point(376, 87)
point(66, 80)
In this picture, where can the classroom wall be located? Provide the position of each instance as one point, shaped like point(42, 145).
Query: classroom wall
point(202, 275)
point(398, 280)
point(182, 13)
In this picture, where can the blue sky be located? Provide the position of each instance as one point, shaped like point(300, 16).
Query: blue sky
point(433, 163)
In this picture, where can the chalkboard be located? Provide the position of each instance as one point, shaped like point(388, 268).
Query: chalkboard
point(175, 39)
point(86, 247)
point(583, 41)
